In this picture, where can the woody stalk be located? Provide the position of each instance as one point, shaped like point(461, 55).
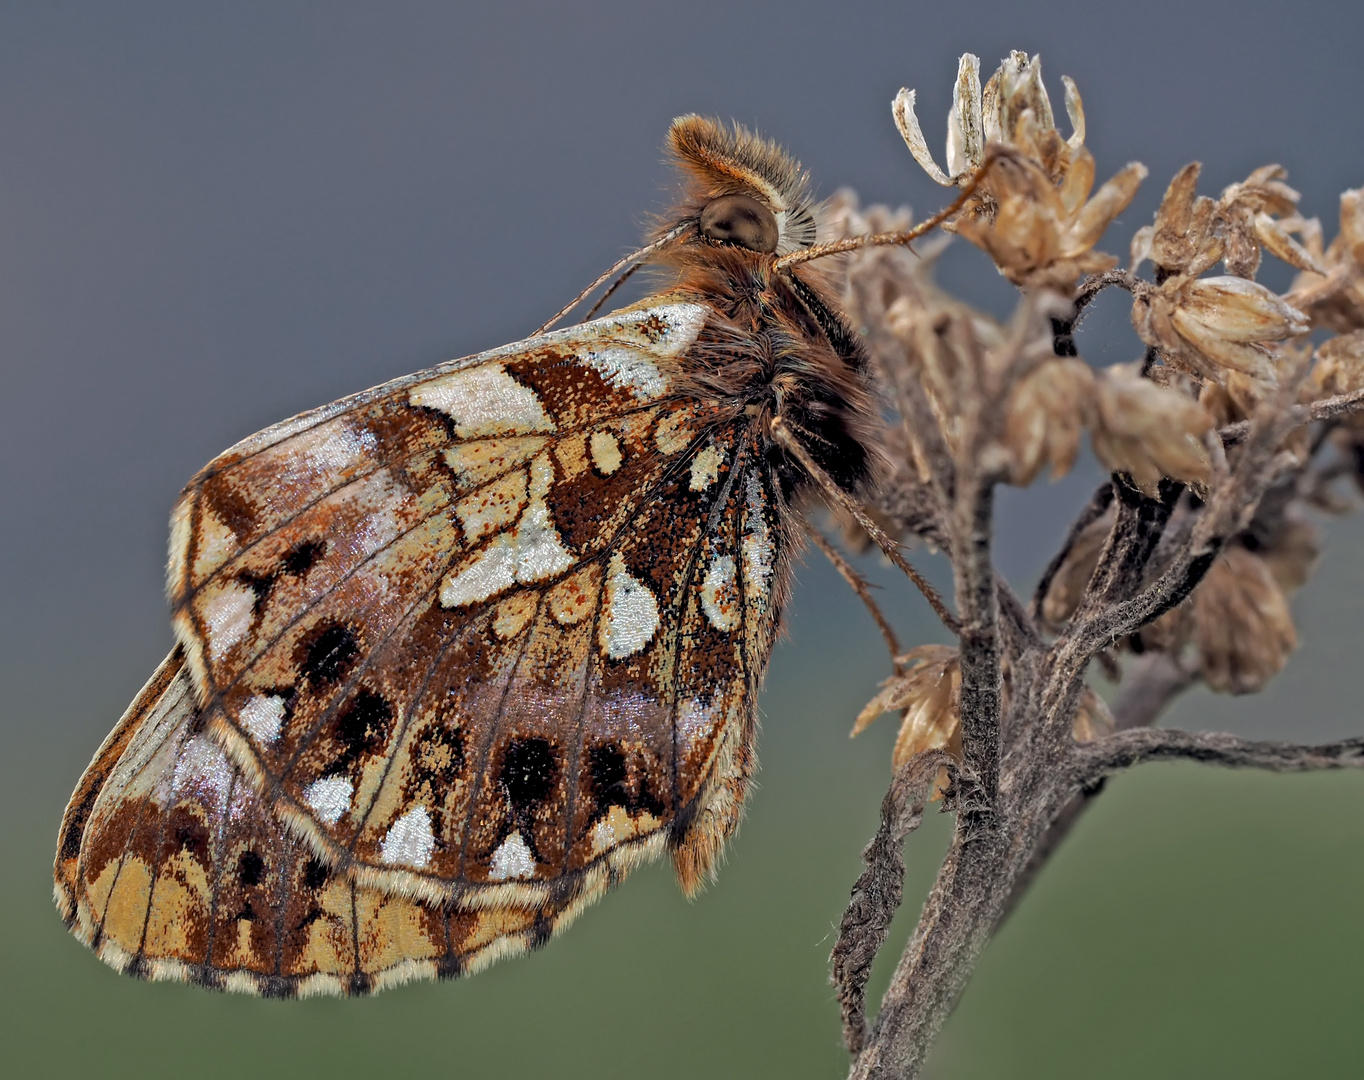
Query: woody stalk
point(1237, 423)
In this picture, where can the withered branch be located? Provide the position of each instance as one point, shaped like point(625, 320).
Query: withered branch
point(1127, 748)
point(877, 892)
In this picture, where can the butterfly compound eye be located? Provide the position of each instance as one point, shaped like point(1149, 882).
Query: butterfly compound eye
point(737, 219)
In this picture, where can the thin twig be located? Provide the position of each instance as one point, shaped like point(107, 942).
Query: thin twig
point(1326, 409)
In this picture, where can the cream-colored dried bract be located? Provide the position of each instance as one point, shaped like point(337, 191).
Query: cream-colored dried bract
point(1149, 432)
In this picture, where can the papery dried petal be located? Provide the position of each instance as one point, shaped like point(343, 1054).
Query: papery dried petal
point(1075, 109)
point(1092, 718)
point(1243, 628)
point(1108, 202)
point(902, 108)
point(1276, 240)
point(965, 130)
point(1182, 241)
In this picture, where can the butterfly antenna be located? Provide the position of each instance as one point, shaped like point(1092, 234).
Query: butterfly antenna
point(781, 431)
point(860, 586)
point(856, 243)
point(607, 295)
point(634, 257)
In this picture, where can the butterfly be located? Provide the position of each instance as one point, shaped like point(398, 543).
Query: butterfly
point(455, 654)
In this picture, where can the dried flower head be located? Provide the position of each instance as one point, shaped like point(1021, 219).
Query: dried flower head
point(1041, 235)
point(1149, 431)
point(1290, 546)
point(1047, 412)
point(1334, 297)
point(1242, 628)
point(1206, 326)
point(1032, 212)
point(1013, 110)
point(928, 694)
point(1339, 367)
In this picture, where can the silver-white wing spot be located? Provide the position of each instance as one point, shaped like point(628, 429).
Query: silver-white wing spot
point(261, 717)
point(757, 548)
point(484, 400)
point(329, 798)
point(631, 615)
point(410, 841)
point(719, 597)
point(628, 369)
point(227, 617)
point(512, 859)
point(202, 768)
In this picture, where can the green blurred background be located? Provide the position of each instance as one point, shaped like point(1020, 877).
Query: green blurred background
point(213, 216)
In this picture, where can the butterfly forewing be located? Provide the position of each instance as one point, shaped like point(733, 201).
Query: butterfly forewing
point(443, 629)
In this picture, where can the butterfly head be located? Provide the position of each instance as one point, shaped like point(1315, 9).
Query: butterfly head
point(741, 192)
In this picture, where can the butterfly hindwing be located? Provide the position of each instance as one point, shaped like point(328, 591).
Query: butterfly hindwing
point(178, 870)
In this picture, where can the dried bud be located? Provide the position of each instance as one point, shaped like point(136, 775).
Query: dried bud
point(1068, 585)
point(1149, 431)
point(929, 694)
point(1047, 412)
point(1334, 297)
point(1243, 630)
point(1207, 325)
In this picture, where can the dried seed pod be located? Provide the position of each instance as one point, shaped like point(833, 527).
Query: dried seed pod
point(1207, 326)
point(1243, 630)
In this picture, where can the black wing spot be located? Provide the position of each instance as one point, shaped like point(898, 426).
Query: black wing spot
point(250, 869)
point(529, 769)
point(315, 873)
point(606, 767)
point(330, 653)
point(300, 560)
point(362, 728)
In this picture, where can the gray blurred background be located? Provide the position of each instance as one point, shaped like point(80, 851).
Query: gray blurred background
point(215, 215)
